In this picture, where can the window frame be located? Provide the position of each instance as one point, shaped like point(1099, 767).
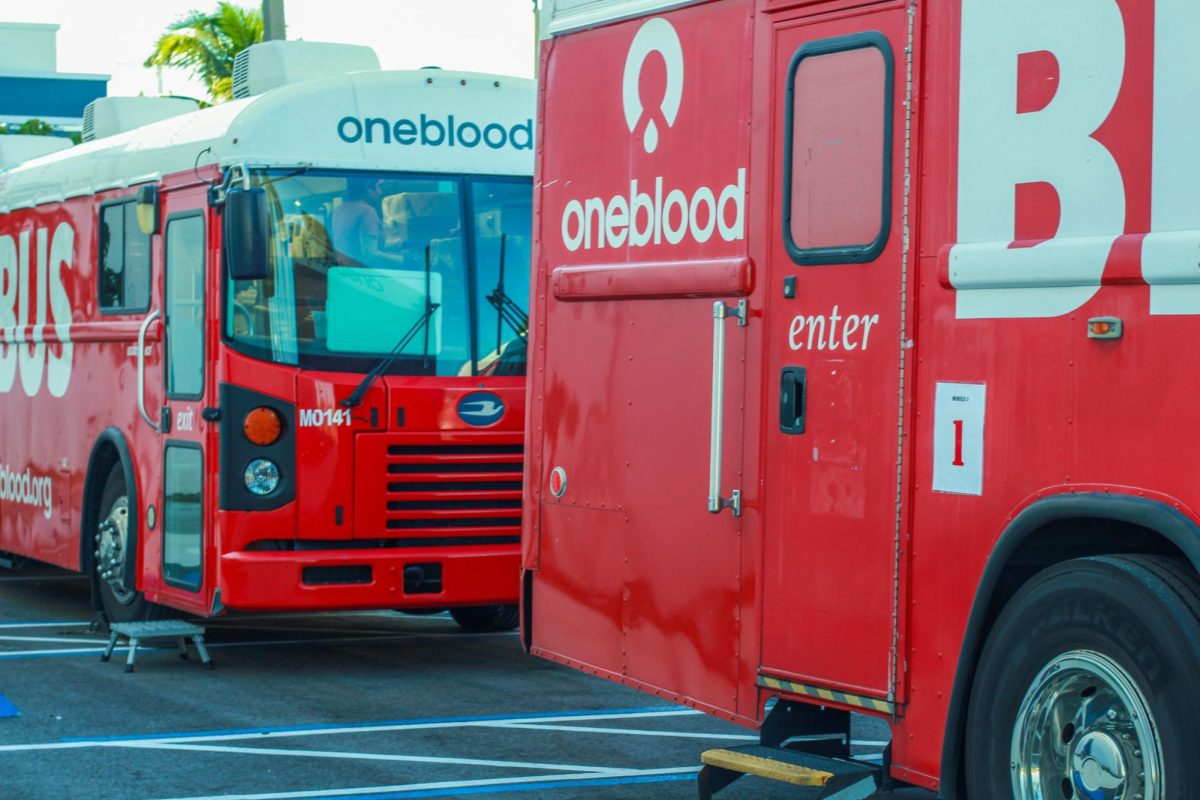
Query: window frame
point(477, 300)
point(100, 242)
point(167, 389)
point(841, 254)
point(182, 444)
point(464, 181)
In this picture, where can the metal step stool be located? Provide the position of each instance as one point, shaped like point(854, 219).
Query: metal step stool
point(177, 629)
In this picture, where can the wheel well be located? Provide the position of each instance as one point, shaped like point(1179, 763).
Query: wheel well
point(1065, 539)
point(109, 450)
point(104, 458)
point(1050, 532)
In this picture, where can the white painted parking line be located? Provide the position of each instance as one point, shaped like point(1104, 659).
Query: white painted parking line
point(58, 639)
point(273, 751)
point(43, 579)
point(261, 735)
point(413, 726)
point(622, 731)
point(418, 787)
point(56, 651)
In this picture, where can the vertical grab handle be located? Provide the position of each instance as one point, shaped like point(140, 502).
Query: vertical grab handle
point(141, 368)
point(716, 503)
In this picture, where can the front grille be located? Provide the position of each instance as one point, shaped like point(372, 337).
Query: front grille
point(435, 486)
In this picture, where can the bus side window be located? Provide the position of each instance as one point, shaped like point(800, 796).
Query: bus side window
point(124, 261)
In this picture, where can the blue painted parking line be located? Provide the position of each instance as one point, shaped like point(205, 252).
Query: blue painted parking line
point(473, 787)
point(531, 786)
point(7, 709)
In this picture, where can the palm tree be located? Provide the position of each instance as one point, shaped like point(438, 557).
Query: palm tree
point(207, 43)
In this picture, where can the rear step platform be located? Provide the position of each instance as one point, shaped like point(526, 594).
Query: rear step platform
point(823, 778)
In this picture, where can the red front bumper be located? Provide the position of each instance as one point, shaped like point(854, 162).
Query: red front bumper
point(276, 581)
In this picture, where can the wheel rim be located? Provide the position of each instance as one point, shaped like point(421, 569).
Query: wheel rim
point(111, 550)
point(1084, 732)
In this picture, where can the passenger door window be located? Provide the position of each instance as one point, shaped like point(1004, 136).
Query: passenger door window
point(185, 307)
point(124, 261)
point(837, 159)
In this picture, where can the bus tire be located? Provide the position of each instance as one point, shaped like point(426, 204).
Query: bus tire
point(486, 619)
point(108, 532)
point(1089, 686)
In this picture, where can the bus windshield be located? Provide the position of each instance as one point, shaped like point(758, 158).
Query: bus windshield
point(363, 260)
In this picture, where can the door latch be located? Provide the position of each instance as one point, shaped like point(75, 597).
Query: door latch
point(793, 400)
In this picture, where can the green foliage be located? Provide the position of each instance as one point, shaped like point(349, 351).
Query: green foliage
point(30, 127)
point(205, 44)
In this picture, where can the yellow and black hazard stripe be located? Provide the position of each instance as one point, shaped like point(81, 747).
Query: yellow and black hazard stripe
point(827, 695)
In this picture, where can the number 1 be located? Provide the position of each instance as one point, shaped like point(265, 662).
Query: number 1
point(958, 443)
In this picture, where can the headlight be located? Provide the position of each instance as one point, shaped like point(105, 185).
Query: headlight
point(262, 476)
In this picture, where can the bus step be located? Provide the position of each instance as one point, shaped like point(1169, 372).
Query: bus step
point(821, 778)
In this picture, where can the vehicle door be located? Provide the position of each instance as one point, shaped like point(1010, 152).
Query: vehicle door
point(837, 352)
point(179, 544)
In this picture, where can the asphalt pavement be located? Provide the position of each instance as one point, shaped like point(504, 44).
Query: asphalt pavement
point(368, 705)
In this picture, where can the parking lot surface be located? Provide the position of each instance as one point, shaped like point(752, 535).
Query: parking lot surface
point(368, 705)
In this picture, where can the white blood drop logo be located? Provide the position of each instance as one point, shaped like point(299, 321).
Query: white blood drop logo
point(656, 35)
point(655, 210)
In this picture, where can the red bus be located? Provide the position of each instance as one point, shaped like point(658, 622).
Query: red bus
point(270, 355)
point(859, 381)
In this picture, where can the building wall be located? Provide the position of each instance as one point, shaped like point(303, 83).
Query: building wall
point(30, 84)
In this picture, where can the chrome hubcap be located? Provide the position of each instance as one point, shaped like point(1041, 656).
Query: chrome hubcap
point(1084, 732)
point(111, 538)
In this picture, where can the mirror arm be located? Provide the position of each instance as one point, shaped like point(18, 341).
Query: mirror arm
point(216, 193)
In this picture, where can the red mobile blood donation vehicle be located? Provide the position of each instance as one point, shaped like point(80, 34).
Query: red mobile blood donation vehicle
point(859, 382)
point(270, 355)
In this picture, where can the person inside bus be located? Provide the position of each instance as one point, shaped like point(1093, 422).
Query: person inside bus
point(312, 255)
point(358, 235)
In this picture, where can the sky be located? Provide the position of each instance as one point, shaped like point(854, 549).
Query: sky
point(114, 37)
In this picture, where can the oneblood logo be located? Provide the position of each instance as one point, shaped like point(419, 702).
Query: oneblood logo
point(642, 218)
point(23, 350)
point(26, 489)
point(436, 132)
point(656, 36)
point(646, 215)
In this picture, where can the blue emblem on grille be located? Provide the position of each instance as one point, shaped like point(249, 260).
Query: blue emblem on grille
point(481, 409)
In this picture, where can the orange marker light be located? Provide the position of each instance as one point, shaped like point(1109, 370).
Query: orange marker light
point(262, 426)
point(1105, 328)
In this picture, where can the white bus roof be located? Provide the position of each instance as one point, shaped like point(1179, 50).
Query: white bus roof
point(410, 121)
point(564, 16)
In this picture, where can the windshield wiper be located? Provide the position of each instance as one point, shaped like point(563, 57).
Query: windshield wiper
point(356, 398)
point(382, 364)
point(299, 170)
point(507, 309)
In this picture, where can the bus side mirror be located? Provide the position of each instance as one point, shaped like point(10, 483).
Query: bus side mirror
point(147, 209)
point(245, 237)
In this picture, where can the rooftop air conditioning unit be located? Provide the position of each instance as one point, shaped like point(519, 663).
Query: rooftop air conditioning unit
point(105, 116)
point(262, 67)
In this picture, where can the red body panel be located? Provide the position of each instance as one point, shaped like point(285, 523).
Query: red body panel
point(1040, 159)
